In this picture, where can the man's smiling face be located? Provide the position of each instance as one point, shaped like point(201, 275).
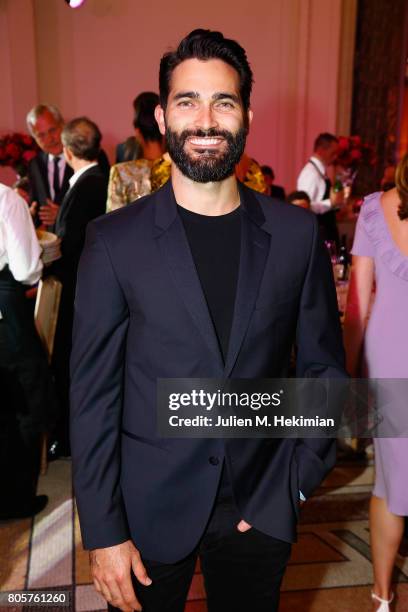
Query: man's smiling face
point(204, 121)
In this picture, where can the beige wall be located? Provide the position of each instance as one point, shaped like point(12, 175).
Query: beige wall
point(94, 61)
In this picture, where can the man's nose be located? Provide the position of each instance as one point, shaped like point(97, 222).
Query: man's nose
point(206, 118)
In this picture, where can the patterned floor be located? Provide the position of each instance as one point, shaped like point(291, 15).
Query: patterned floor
point(329, 570)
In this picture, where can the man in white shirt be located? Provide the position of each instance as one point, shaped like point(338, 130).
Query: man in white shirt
point(314, 181)
point(19, 248)
point(25, 380)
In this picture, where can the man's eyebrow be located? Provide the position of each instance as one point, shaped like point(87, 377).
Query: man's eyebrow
point(187, 94)
point(225, 96)
point(219, 95)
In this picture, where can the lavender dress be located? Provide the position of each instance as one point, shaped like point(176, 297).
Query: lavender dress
point(386, 344)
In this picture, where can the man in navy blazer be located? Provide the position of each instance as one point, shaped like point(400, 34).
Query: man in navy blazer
point(202, 279)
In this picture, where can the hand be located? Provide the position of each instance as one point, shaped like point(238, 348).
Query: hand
point(243, 526)
point(33, 208)
point(336, 198)
point(111, 572)
point(49, 212)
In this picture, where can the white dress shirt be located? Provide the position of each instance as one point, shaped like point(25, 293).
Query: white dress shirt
point(312, 180)
point(61, 167)
point(19, 247)
point(78, 173)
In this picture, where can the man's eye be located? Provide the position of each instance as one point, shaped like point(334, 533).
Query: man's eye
point(185, 103)
point(226, 105)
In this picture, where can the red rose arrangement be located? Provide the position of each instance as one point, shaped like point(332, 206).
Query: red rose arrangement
point(17, 150)
point(353, 152)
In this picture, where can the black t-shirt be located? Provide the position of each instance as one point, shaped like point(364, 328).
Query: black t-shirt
point(215, 244)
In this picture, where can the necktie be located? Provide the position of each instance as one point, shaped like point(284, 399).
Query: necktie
point(56, 179)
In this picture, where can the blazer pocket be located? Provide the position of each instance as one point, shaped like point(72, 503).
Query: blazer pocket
point(142, 440)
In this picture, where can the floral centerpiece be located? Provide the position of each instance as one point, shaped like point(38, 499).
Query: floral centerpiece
point(353, 152)
point(17, 150)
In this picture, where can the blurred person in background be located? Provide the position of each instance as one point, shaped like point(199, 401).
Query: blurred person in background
point(48, 172)
point(85, 200)
point(132, 179)
point(275, 191)
point(299, 198)
point(314, 180)
point(380, 255)
point(130, 149)
point(27, 390)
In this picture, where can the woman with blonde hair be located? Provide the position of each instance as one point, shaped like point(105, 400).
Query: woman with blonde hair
point(380, 255)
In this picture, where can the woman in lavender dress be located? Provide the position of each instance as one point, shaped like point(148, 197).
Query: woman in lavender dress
point(380, 254)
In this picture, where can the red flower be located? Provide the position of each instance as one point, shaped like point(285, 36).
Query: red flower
point(29, 155)
point(356, 141)
point(17, 150)
point(355, 155)
point(13, 151)
point(343, 144)
point(27, 140)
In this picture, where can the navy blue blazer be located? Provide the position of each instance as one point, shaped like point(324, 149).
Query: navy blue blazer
point(140, 315)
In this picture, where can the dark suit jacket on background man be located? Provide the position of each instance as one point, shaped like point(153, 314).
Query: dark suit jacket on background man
point(38, 178)
point(142, 315)
point(82, 203)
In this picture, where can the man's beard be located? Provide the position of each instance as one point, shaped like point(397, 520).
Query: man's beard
point(209, 165)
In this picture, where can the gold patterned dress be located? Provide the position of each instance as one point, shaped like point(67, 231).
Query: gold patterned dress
point(131, 180)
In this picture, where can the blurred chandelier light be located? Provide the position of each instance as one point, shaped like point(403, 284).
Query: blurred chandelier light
point(74, 3)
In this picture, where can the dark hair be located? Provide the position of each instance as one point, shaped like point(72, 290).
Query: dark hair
point(298, 195)
point(144, 105)
point(401, 183)
point(204, 45)
point(267, 171)
point(324, 140)
point(83, 138)
point(22, 183)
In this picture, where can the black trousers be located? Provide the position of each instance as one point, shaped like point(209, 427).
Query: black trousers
point(26, 398)
point(242, 571)
point(23, 358)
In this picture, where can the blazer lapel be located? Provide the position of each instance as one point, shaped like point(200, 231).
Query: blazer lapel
point(68, 172)
point(173, 244)
point(255, 244)
point(43, 176)
point(62, 212)
point(69, 196)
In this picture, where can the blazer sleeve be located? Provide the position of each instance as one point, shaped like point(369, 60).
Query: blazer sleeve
point(320, 354)
point(97, 365)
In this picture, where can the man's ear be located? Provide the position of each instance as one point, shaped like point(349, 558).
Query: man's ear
point(67, 154)
point(250, 116)
point(159, 116)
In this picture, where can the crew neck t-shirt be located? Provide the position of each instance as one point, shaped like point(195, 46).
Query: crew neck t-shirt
point(215, 244)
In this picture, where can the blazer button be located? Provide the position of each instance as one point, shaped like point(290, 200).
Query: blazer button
point(214, 460)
